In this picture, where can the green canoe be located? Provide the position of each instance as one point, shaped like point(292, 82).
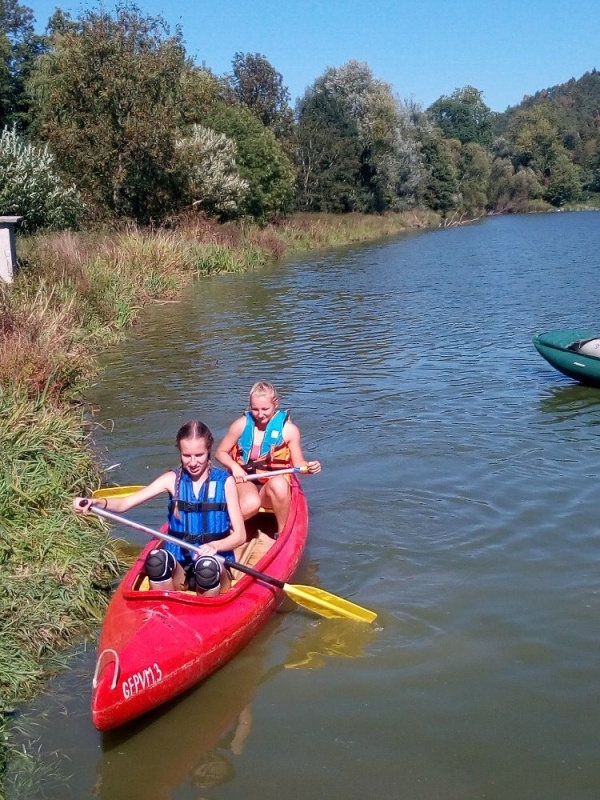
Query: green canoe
point(563, 350)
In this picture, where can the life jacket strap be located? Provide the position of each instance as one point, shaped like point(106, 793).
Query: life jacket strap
point(188, 505)
point(199, 538)
point(265, 464)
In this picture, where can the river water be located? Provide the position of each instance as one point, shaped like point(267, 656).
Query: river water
point(456, 500)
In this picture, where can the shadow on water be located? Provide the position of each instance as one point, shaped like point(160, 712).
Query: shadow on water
point(193, 741)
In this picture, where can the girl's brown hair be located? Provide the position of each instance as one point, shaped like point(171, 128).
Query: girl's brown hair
point(194, 429)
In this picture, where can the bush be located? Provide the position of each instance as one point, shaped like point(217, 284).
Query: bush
point(208, 162)
point(30, 187)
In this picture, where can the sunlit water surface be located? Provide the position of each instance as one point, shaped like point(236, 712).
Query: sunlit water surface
point(456, 500)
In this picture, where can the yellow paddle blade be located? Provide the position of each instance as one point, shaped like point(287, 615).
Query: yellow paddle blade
point(115, 491)
point(327, 604)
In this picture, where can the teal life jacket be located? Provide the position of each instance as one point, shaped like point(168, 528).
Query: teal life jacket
point(202, 519)
point(273, 453)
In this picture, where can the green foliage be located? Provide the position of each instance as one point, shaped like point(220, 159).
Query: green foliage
point(473, 169)
point(19, 47)
point(535, 139)
point(61, 568)
point(564, 184)
point(108, 98)
point(30, 186)
point(261, 161)
point(464, 116)
point(441, 185)
point(200, 90)
point(557, 124)
point(329, 155)
point(537, 145)
point(216, 259)
point(512, 190)
point(6, 86)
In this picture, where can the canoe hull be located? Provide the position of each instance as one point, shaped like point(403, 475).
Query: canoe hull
point(155, 645)
point(554, 347)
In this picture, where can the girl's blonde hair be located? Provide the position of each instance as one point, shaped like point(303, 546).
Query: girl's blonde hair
point(263, 387)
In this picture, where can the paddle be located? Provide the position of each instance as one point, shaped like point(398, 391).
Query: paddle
point(271, 473)
point(317, 600)
point(124, 491)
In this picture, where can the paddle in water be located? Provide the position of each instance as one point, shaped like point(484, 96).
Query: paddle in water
point(310, 597)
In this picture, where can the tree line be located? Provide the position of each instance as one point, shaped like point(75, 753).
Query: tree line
point(106, 117)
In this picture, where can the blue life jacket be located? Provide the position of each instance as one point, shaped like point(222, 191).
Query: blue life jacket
point(273, 451)
point(202, 519)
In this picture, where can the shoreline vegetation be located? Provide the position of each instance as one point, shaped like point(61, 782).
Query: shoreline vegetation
point(74, 294)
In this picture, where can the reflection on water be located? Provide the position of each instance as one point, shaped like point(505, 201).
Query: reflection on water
point(572, 399)
point(332, 638)
point(196, 739)
point(192, 741)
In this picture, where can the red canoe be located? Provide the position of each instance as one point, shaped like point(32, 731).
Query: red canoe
point(156, 644)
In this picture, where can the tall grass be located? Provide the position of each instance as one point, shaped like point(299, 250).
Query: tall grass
point(56, 569)
point(317, 231)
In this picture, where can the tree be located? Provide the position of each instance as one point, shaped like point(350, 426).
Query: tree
point(366, 110)
point(537, 144)
point(464, 116)
point(535, 138)
point(108, 99)
point(255, 83)
point(260, 158)
point(329, 155)
point(441, 185)
point(473, 168)
point(19, 47)
point(6, 85)
point(564, 184)
point(510, 190)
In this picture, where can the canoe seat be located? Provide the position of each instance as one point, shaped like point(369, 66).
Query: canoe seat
point(144, 586)
point(589, 347)
point(251, 552)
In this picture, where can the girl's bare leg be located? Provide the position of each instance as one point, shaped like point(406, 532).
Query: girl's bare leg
point(276, 494)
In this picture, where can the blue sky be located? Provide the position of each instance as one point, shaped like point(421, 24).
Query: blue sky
point(423, 48)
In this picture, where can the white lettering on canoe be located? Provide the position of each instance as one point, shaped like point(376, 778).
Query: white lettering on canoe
point(141, 680)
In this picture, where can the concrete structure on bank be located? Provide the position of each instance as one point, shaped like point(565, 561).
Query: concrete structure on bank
point(8, 251)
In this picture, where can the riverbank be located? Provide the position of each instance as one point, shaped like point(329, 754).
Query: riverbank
point(74, 294)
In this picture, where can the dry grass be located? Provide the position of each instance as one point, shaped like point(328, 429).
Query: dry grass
point(314, 231)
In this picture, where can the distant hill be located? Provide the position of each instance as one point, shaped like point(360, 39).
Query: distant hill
point(574, 106)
